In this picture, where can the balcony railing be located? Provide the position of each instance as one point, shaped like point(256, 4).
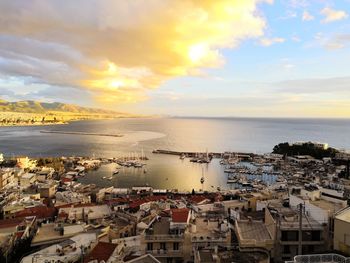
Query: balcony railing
point(165, 253)
point(164, 237)
point(325, 258)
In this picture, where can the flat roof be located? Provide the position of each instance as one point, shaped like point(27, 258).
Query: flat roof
point(253, 230)
point(344, 215)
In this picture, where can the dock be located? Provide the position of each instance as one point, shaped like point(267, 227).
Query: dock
point(211, 154)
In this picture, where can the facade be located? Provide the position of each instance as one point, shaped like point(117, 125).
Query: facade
point(7, 178)
point(27, 180)
point(167, 239)
point(341, 241)
point(283, 225)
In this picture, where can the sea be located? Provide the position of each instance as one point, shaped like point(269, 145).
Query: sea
point(254, 135)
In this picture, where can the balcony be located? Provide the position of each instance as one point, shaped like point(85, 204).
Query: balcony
point(176, 238)
point(322, 258)
point(165, 253)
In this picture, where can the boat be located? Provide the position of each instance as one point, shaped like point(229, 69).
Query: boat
point(182, 156)
point(202, 178)
point(232, 181)
point(138, 165)
point(116, 172)
point(109, 178)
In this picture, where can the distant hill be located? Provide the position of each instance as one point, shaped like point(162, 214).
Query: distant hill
point(30, 106)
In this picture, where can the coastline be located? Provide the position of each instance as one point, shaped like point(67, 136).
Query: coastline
point(32, 124)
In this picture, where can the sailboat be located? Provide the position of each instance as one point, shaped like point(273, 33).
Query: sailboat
point(202, 178)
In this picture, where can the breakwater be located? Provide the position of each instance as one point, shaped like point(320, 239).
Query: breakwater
point(211, 154)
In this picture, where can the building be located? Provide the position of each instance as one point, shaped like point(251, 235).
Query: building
point(7, 178)
point(27, 180)
point(167, 238)
point(102, 252)
point(283, 221)
point(47, 190)
point(15, 233)
point(70, 250)
point(320, 258)
point(253, 236)
point(341, 241)
point(87, 213)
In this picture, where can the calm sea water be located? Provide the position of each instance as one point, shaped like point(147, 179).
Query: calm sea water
point(183, 134)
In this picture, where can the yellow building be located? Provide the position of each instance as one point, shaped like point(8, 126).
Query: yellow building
point(6, 177)
point(341, 239)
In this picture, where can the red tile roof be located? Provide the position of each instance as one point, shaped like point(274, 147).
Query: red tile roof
point(136, 203)
point(180, 215)
point(75, 205)
point(38, 211)
point(197, 198)
point(102, 251)
point(10, 222)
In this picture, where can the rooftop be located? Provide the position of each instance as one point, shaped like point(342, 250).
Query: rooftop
point(180, 215)
point(253, 230)
point(50, 253)
point(344, 215)
point(102, 251)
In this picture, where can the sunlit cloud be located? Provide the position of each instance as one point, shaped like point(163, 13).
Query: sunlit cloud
point(119, 50)
point(307, 16)
point(266, 42)
point(332, 15)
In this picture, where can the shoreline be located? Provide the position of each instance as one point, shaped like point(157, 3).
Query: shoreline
point(33, 124)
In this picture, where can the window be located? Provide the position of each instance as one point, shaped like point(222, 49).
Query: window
point(162, 246)
point(286, 249)
point(176, 246)
point(289, 236)
point(149, 246)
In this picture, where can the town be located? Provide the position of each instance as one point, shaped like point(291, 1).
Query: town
point(47, 215)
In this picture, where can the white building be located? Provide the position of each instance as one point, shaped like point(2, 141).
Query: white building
point(69, 250)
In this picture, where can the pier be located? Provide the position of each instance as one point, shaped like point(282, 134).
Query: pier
point(211, 154)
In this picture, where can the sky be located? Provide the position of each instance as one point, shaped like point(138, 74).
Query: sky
point(249, 58)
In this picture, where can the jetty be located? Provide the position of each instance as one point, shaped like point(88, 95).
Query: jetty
point(83, 133)
point(210, 154)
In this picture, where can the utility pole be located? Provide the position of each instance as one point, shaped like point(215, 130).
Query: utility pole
point(275, 249)
point(300, 245)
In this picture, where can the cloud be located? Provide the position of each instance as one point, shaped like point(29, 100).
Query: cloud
point(338, 41)
point(307, 16)
point(332, 15)
point(339, 85)
point(266, 42)
point(119, 50)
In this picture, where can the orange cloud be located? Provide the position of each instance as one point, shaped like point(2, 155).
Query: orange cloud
point(127, 48)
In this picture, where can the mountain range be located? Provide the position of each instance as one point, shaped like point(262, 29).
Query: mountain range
point(30, 106)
